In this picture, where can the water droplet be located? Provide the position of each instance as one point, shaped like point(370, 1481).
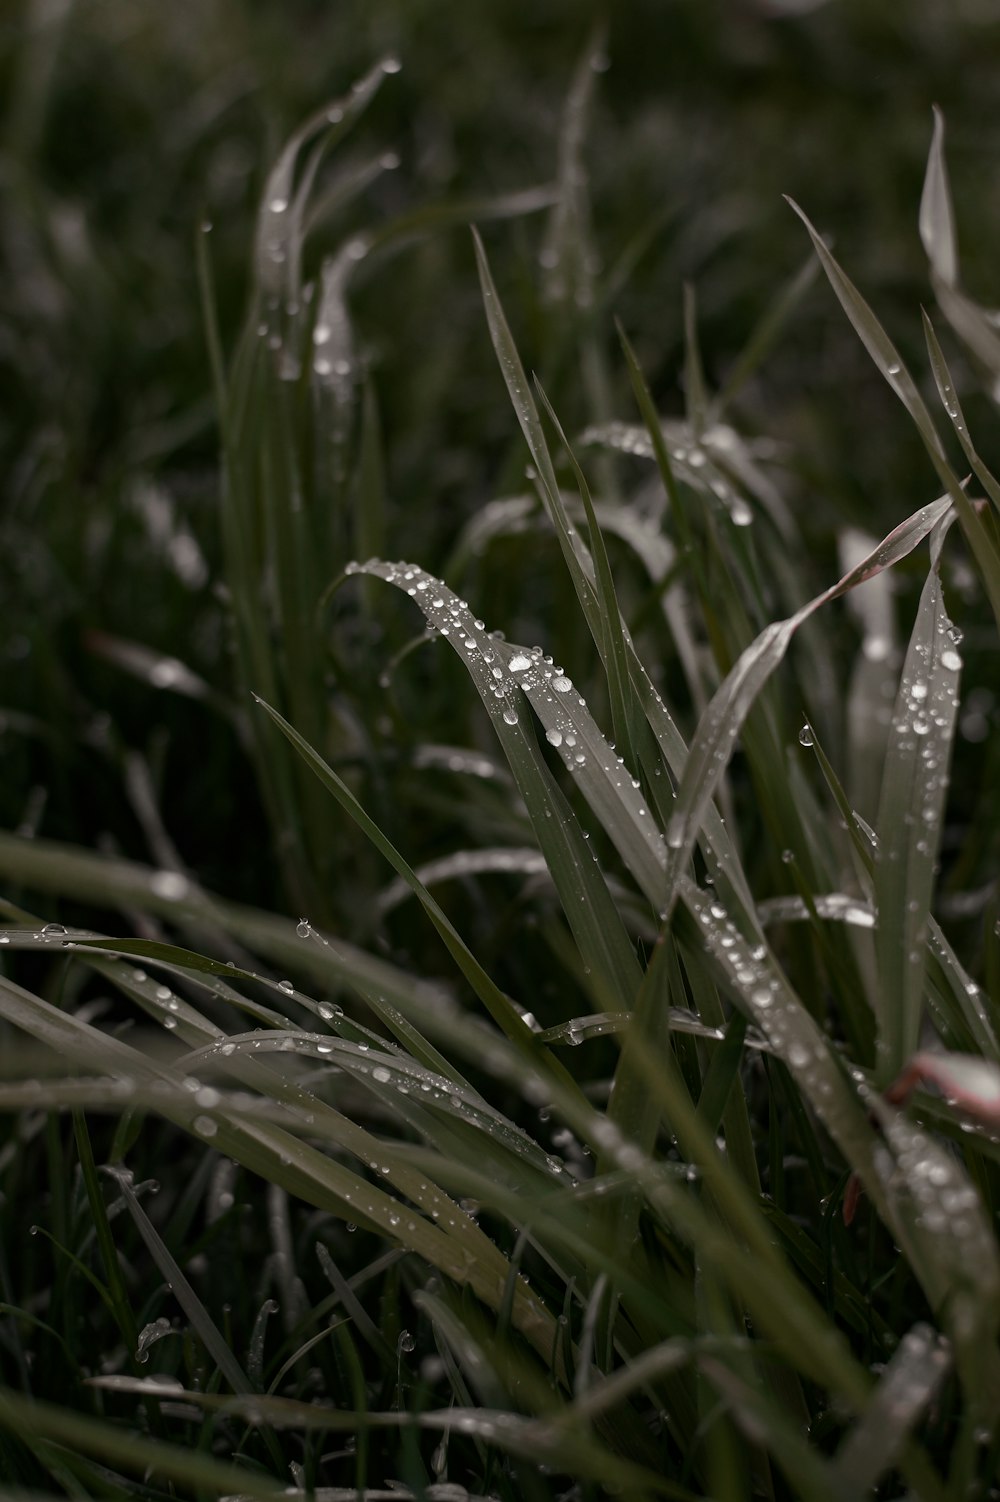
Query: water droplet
point(391, 65)
point(561, 684)
point(519, 663)
point(381, 1074)
point(951, 661)
point(278, 205)
point(287, 987)
point(510, 715)
point(554, 737)
point(148, 1335)
point(806, 736)
point(303, 929)
point(406, 1341)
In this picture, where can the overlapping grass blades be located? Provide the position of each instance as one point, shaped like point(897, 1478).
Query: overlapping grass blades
point(663, 1311)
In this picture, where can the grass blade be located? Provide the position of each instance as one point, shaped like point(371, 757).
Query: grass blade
point(937, 216)
point(911, 808)
point(875, 339)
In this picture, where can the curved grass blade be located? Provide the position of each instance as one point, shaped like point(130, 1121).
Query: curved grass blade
point(961, 999)
point(937, 216)
point(201, 1321)
point(951, 1243)
point(905, 1389)
point(112, 1444)
point(722, 721)
point(500, 673)
point(889, 361)
point(278, 236)
point(452, 1242)
point(488, 861)
point(500, 1007)
point(875, 339)
point(949, 398)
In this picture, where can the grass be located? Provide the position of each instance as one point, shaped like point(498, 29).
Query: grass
point(530, 1031)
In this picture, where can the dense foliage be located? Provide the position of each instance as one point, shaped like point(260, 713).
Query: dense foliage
point(519, 1021)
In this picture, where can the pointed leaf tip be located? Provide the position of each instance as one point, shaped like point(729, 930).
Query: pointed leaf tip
point(937, 218)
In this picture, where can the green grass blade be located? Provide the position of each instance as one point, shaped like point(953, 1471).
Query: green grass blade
point(875, 339)
point(889, 361)
point(500, 674)
point(624, 712)
point(907, 1386)
point(499, 1006)
point(937, 216)
point(112, 1444)
point(911, 809)
point(949, 398)
point(201, 1321)
point(722, 721)
point(696, 397)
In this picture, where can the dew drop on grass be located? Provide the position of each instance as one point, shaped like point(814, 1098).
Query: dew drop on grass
point(806, 736)
point(205, 1126)
point(287, 987)
point(53, 931)
point(951, 661)
point(406, 1341)
point(149, 1335)
point(381, 1074)
point(554, 737)
point(303, 929)
point(510, 715)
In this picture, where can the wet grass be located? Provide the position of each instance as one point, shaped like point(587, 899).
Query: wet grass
point(519, 1020)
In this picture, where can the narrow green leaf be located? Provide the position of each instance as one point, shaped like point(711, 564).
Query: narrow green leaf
point(937, 217)
point(875, 339)
point(111, 1443)
point(971, 323)
point(695, 391)
point(722, 721)
point(499, 1006)
point(624, 712)
point(906, 1387)
point(911, 808)
point(201, 1321)
point(502, 674)
point(949, 397)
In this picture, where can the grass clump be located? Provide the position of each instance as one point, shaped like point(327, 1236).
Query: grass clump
point(601, 1097)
